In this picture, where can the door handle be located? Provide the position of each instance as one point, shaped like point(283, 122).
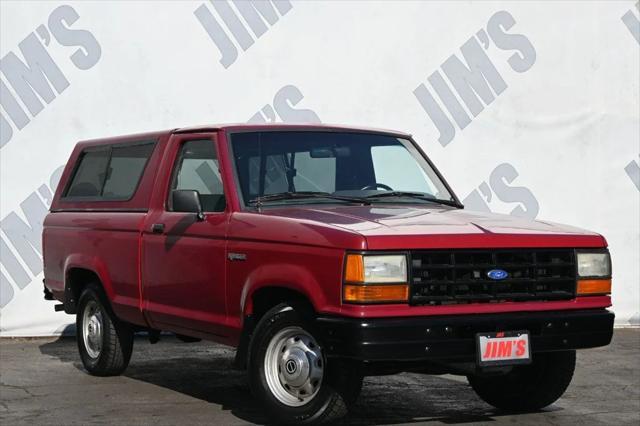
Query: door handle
point(157, 228)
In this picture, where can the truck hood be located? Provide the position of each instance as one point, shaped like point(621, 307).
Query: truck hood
point(394, 226)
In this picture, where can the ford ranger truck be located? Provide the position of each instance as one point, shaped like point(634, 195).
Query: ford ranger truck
point(323, 254)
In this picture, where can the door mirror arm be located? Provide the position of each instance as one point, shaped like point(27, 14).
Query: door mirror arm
point(188, 201)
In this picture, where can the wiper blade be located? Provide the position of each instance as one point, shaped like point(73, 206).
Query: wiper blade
point(401, 194)
point(300, 195)
point(415, 195)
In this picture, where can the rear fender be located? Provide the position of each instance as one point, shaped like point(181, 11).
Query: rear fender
point(90, 263)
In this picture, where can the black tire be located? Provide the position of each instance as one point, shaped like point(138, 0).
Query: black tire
point(339, 387)
point(115, 337)
point(530, 387)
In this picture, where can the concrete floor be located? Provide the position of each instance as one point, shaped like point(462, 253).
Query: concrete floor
point(42, 382)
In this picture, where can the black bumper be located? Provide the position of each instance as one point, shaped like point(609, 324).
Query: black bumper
point(452, 338)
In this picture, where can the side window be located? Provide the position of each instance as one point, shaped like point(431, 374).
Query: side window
point(197, 169)
point(125, 169)
point(89, 176)
point(110, 172)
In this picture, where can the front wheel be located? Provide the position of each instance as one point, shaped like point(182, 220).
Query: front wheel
point(104, 342)
point(289, 373)
point(529, 387)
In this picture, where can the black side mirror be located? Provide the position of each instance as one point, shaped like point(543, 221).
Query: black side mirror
point(188, 201)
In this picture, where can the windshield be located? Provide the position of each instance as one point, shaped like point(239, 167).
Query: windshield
point(375, 167)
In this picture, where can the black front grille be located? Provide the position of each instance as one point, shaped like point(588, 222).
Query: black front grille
point(441, 277)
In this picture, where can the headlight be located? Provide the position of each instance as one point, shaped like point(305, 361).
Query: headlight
point(594, 264)
point(594, 273)
point(370, 278)
point(385, 269)
point(372, 269)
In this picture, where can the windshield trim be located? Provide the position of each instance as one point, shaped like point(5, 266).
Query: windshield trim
point(228, 136)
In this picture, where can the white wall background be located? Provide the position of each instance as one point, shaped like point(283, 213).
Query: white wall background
point(559, 143)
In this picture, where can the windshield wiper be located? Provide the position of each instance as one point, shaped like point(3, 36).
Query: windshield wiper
point(300, 195)
point(414, 195)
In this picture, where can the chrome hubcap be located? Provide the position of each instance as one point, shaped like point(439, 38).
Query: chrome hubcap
point(294, 366)
point(92, 329)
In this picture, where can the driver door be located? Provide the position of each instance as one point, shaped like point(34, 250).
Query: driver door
point(183, 258)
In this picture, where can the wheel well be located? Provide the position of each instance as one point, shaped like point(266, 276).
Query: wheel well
point(76, 280)
point(268, 297)
point(263, 300)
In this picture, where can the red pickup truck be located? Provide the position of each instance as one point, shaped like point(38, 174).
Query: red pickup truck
point(323, 254)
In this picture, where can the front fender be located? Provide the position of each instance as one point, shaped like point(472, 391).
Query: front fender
point(283, 275)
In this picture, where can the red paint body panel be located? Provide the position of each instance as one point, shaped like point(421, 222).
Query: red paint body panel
point(184, 269)
point(103, 242)
point(397, 310)
point(182, 280)
point(415, 227)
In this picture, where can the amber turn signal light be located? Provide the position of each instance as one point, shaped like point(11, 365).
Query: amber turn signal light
point(354, 271)
point(594, 287)
point(376, 293)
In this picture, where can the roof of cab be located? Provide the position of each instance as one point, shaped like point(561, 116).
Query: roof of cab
point(123, 138)
point(244, 127)
point(240, 127)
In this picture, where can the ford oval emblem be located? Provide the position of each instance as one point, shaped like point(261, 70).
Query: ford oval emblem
point(497, 274)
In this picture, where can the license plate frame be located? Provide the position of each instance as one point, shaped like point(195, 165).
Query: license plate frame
point(482, 340)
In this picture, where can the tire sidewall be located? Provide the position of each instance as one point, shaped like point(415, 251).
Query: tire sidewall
point(92, 293)
point(531, 387)
point(272, 322)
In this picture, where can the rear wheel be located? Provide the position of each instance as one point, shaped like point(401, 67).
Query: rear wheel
point(104, 342)
point(529, 387)
point(290, 375)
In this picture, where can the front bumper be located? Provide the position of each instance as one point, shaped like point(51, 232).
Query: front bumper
point(452, 338)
